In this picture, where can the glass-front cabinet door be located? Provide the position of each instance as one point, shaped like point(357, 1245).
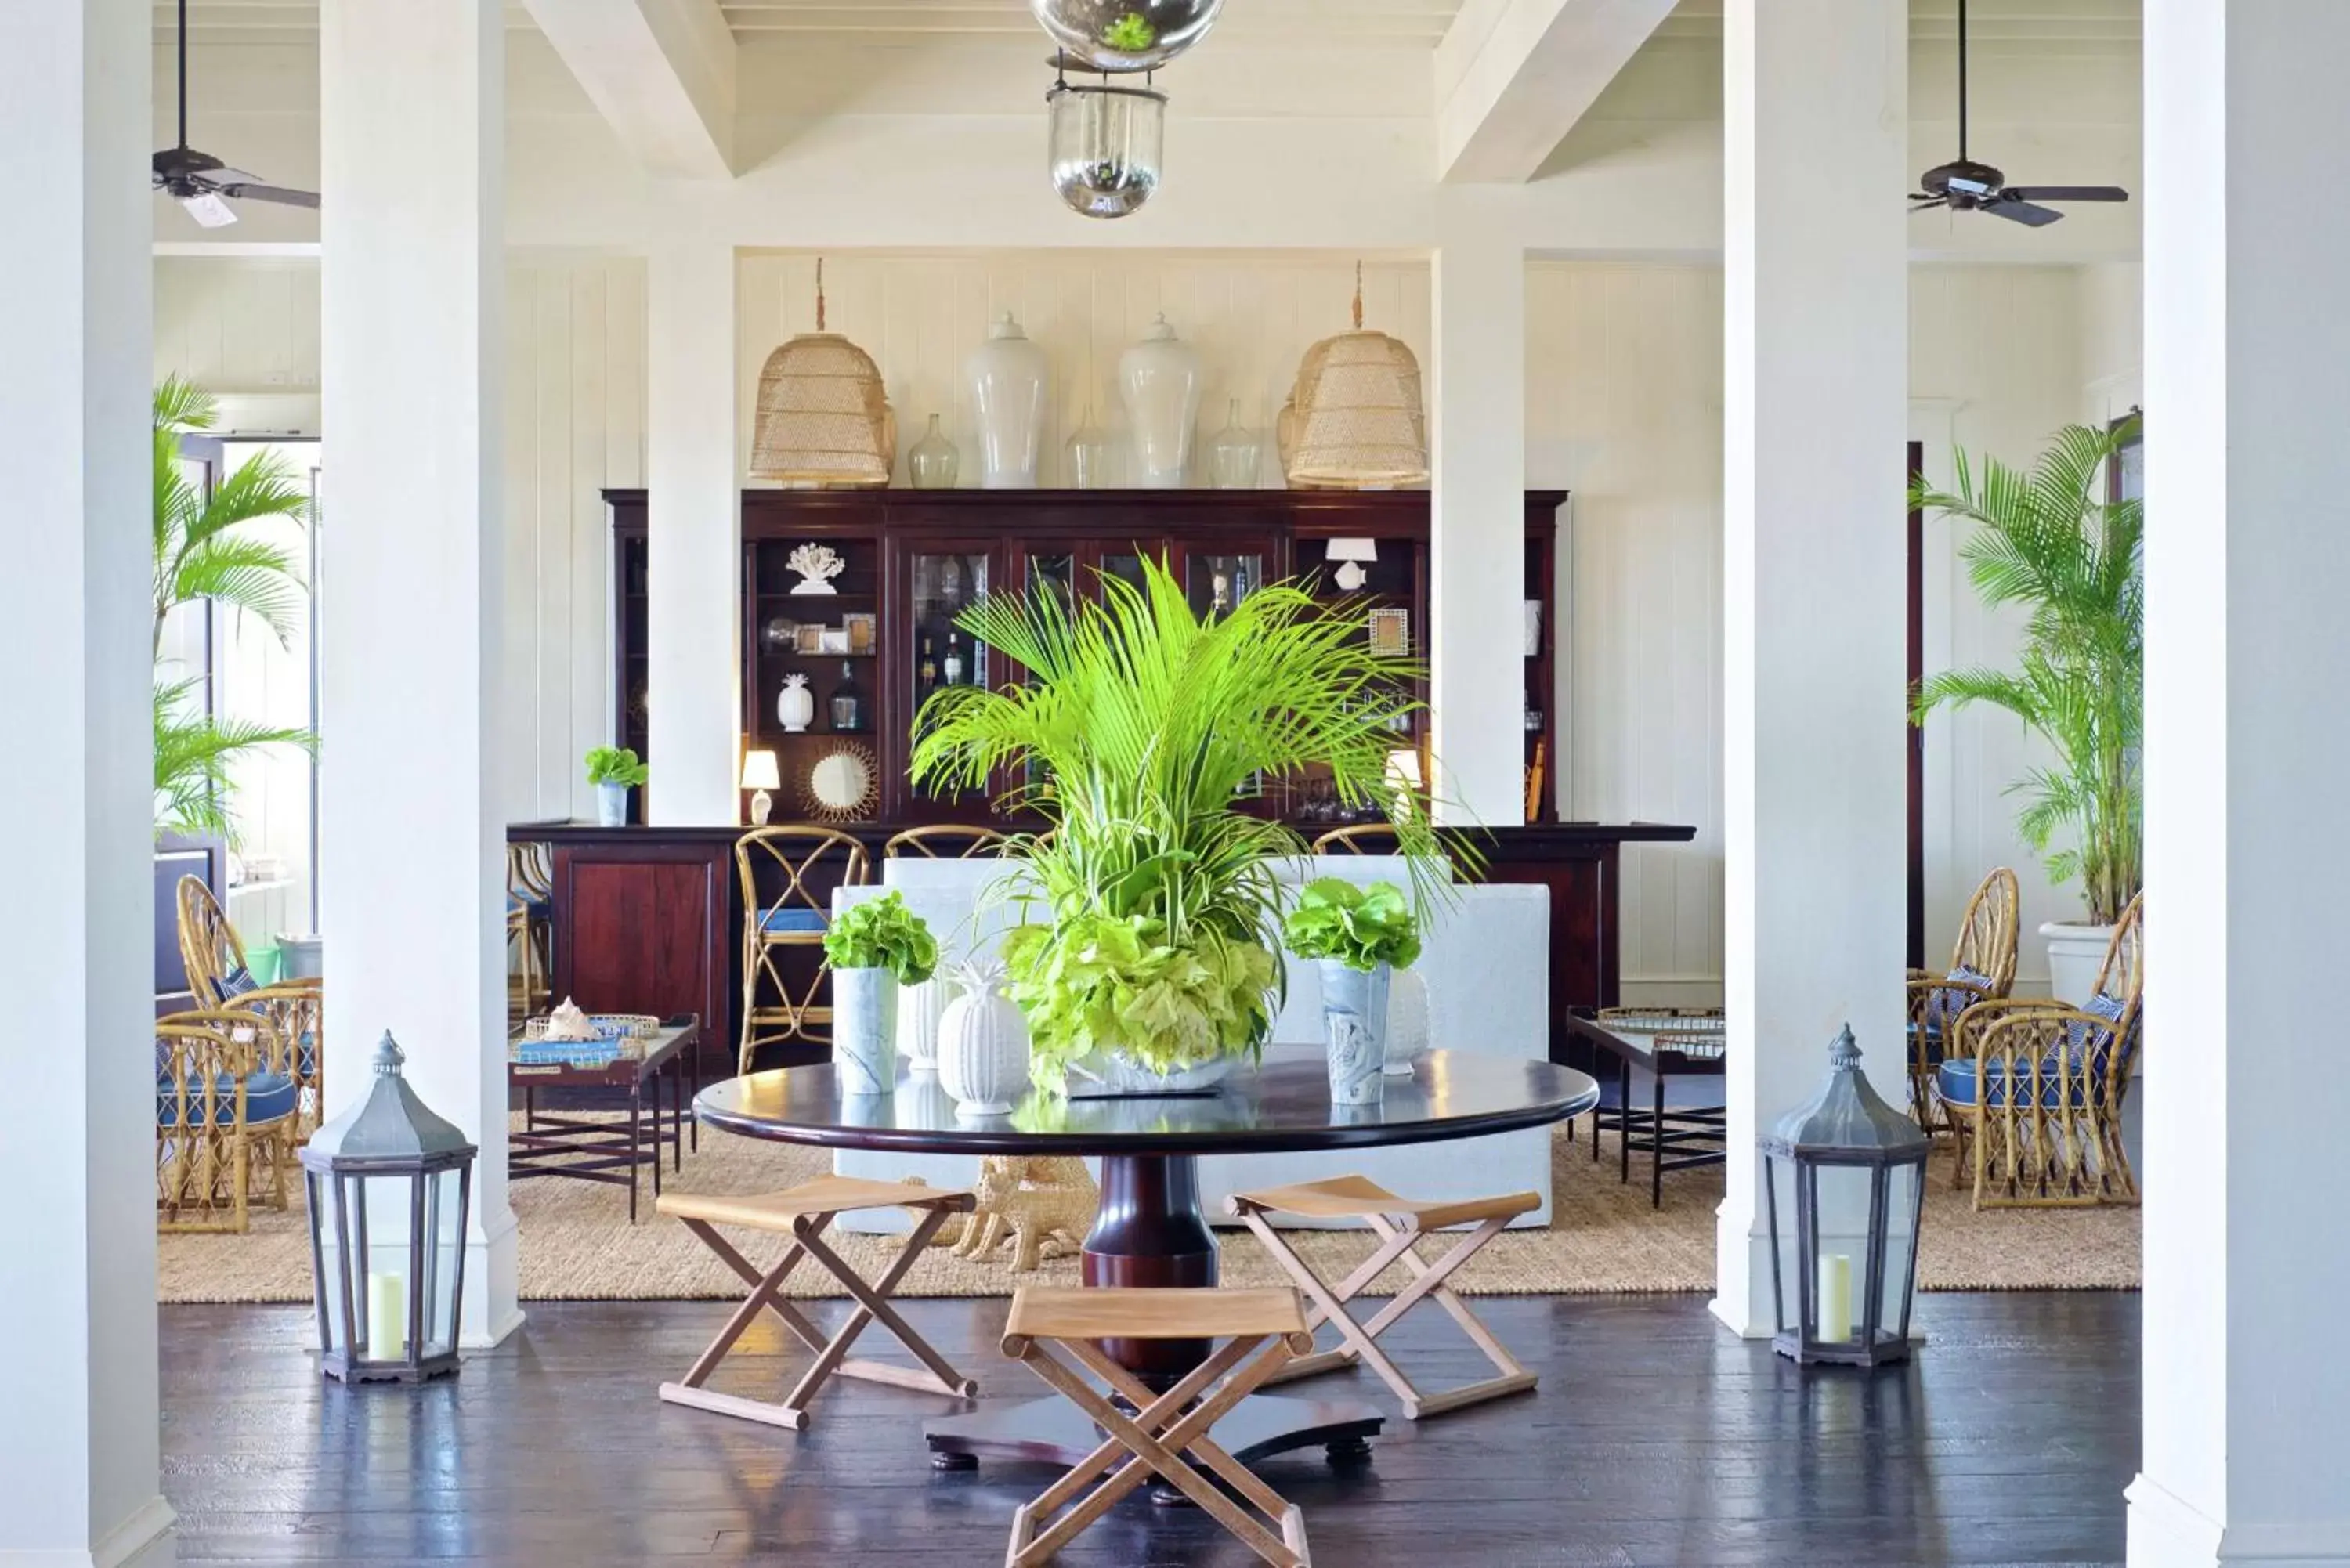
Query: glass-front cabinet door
point(1214, 581)
point(940, 580)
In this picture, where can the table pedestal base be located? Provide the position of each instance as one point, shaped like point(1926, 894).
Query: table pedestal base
point(1048, 1431)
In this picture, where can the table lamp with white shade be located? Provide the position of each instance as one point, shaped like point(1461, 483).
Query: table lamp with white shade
point(1351, 555)
point(760, 774)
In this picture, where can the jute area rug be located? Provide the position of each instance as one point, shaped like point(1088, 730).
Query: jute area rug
point(576, 1243)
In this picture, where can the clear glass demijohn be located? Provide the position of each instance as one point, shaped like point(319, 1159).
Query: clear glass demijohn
point(1108, 146)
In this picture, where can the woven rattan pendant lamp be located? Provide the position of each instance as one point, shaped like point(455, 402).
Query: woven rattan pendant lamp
point(824, 423)
point(1356, 421)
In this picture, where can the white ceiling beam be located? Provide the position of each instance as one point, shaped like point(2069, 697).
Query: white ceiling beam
point(660, 71)
point(1513, 75)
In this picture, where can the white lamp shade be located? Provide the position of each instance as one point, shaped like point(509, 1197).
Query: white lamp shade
point(1352, 550)
point(759, 771)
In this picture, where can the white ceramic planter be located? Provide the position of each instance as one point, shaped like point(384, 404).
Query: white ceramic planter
point(1158, 382)
point(865, 1031)
point(2075, 951)
point(1005, 376)
point(1114, 1077)
point(920, 1008)
point(1355, 1031)
point(611, 805)
point(984, 1045)
point(1407, 1021)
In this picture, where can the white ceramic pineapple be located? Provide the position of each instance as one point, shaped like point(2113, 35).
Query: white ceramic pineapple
point(794, 705)
point(983, 1045)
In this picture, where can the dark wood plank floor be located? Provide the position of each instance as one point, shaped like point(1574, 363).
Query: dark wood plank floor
point(1655, 1439)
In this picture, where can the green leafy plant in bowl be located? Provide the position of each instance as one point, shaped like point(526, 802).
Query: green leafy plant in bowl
point(1151, 915)
point(1361, 928)
point(882, 933)
point(1130, 34)
point(615, 765)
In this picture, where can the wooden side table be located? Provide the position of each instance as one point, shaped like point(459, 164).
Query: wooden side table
point(566, 1145)
point(1664, 1042)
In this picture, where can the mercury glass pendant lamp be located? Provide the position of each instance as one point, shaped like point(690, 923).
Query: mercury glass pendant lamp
point(1107, 145)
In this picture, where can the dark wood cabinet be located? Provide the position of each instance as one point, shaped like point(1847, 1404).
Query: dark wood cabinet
point(644, 924)
point(913, 557)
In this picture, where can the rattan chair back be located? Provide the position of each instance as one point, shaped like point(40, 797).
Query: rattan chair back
point(946, 841)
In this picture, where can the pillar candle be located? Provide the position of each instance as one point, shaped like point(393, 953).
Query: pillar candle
point(387, 1315)
point(1835, 1296)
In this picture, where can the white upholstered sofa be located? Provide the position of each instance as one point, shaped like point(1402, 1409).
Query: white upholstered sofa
point(1485, 960)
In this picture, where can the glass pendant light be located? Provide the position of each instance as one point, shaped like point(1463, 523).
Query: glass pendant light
point(1107, 145)
point(1126, 34)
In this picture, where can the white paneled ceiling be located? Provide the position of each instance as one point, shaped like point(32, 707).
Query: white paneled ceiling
point(2056, 23)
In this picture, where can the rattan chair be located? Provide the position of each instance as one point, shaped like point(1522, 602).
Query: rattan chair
point(1366, 838)
point(214, 956)
point(1983, 969)
point(787, 875)
point(225, 1111)
point(947, 841)
point(530, 931)
point(2036, 1089)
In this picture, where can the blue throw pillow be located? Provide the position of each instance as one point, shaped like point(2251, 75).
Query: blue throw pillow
point(2080, 1036)
point(1944, 1005)
point(237, 982)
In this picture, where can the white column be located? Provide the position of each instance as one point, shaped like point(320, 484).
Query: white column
point(79, 1452)
point(1477, 447)
point(412, 874)
point(2246, 1451)
point(1814, 416)
point(693, 528)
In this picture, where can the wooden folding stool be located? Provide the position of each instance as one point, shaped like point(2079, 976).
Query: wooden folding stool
point(1168, 1433)
point(1399, 1223)
point(803, 1212)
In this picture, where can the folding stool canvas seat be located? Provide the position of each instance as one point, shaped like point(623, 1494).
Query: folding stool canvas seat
point(1166, 1433)
point(1399, 1223)
point(803, 1212)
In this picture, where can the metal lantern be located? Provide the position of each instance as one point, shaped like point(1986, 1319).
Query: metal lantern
point(388, 1185)
point(1126, 34)
point(1845, 1185)
point(1108, 146)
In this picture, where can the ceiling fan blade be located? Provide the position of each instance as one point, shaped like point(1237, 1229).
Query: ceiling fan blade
point(1926, 196)
point(1927, 204)
point(2021, 211)
point(226, 176)
point(2068, 193)
point(208, 210)
point(276, 193)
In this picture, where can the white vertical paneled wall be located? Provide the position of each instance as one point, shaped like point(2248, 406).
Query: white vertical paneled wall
point(1623, 408)
point(1251, 318)
point(575, 419)
point(575, 426)
point(1624, 366)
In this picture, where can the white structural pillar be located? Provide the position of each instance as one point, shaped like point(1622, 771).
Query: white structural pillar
point(1814, 415)
point(412, 832)
point(693, 528)
point(2246, 1452)
point(1477, 448)
point(78, 1449)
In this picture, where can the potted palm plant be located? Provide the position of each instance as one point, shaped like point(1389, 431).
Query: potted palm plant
point(1148, 959)
point(2050, 543)
point(203, 550)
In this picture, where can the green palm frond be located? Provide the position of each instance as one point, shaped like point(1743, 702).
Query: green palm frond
point(2044, 541)
point(194, 754)
point(198, 554)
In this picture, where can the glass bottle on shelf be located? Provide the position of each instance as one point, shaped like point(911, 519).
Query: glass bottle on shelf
point(1091, 454)
point(953, 665)
point(929, 673)
point(847, 701)
point(933, 462)
point(1232, 456)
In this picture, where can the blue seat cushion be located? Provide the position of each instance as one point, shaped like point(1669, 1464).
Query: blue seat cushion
point(267, 1097)
point(1957, 1080)
point(800, 920)
point(531, 904)
point(237, 982)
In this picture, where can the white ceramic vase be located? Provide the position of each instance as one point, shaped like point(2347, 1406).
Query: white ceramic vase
point(795, 704)
point(919, 1009)
point(1407, 1021)
point(1005, 376)
point(983, 1045)
point(2075, 949)
point(865, 1031)
point(1355, 1031)
point(1158, 382)
point(611, 805)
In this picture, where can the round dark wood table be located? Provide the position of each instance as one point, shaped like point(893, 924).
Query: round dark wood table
point(1149, 1229)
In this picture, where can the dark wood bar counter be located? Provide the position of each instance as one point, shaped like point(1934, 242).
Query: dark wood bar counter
point(649, 919)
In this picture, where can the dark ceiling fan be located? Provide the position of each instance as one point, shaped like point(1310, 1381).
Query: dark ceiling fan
point(199, 182)
point(1966, 186)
